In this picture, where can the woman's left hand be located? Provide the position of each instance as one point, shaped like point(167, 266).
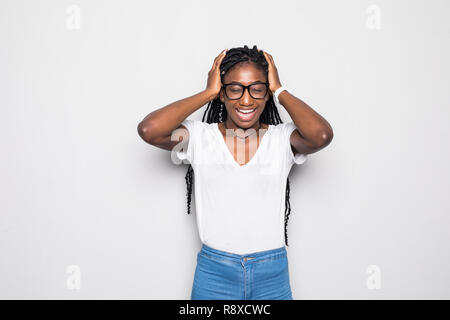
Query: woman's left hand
point(274, 79)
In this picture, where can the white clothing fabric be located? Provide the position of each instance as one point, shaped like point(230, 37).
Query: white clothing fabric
point(240, 209)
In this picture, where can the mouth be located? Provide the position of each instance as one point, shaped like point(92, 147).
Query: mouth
point(245, 114)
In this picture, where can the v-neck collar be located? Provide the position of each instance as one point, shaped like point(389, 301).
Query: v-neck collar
point(230, 155)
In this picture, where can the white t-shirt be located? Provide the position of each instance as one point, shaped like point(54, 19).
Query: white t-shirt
point(240, 209)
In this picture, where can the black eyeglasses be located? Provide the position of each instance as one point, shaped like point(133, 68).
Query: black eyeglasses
point(234, 90)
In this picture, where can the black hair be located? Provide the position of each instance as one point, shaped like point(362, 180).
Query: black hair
point(216, 112)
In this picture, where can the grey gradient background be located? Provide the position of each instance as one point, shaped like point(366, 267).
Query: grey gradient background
point(79, 186)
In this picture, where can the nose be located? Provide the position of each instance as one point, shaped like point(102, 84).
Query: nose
point(246, 97)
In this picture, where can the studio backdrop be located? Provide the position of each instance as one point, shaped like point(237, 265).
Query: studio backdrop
point(90, 211)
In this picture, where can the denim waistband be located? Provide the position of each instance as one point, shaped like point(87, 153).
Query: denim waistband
point(273, 253)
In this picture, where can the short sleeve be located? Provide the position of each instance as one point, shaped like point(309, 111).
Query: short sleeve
point(286, 131)
point(185, 150)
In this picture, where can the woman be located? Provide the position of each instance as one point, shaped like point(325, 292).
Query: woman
point(240, 159)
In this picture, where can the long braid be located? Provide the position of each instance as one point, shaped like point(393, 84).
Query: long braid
point(216, 112)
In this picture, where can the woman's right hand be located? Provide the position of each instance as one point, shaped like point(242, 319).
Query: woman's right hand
point(214, 80)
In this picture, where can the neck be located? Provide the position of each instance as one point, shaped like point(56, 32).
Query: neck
point(229, 124)
point(247, 133)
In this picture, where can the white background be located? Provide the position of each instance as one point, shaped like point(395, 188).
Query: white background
point(80, 187)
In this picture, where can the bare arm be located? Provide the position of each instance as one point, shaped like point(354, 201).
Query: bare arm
point(157, 127)
point(313, 131)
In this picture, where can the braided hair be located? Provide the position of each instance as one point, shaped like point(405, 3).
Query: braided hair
point(216, 112)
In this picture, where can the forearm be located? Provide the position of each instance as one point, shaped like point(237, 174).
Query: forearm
point(311, 125)
point(161, 122)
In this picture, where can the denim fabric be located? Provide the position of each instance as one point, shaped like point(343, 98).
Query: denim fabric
point(221, 275)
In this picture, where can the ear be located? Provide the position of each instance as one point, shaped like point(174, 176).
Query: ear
point(222, 98)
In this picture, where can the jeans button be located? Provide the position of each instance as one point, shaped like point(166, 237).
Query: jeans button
point(245, 259)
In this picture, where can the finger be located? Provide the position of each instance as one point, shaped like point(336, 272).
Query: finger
point(215, 60)
point(267, 57)
point(218, 62)
point(220, 56)
point(271, 60)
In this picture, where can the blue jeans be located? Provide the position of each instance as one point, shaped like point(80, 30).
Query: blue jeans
point(221, 275)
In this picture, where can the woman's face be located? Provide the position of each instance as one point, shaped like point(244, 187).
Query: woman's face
point(244, 74)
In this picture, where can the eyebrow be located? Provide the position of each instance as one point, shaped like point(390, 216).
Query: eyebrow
point(236, 82)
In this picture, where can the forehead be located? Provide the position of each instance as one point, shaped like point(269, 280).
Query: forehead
point(245, 74)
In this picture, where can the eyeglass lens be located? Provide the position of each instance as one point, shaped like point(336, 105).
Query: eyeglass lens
point(257, 91)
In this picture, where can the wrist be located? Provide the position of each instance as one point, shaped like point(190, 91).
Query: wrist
point(210, 95)
point(277, 93)
point(276, 88)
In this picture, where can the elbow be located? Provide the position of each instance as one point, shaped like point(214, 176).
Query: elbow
point(141, 129)
point(325, 138)
point(144, 132)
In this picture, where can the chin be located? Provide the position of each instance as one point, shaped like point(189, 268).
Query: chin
point(245, 124)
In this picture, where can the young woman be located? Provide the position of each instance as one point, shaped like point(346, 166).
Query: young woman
point(240, 159)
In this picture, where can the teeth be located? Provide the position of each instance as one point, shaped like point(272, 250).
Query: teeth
point(246, 111)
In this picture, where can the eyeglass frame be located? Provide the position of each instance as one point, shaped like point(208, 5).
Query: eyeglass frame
point(245, 88)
